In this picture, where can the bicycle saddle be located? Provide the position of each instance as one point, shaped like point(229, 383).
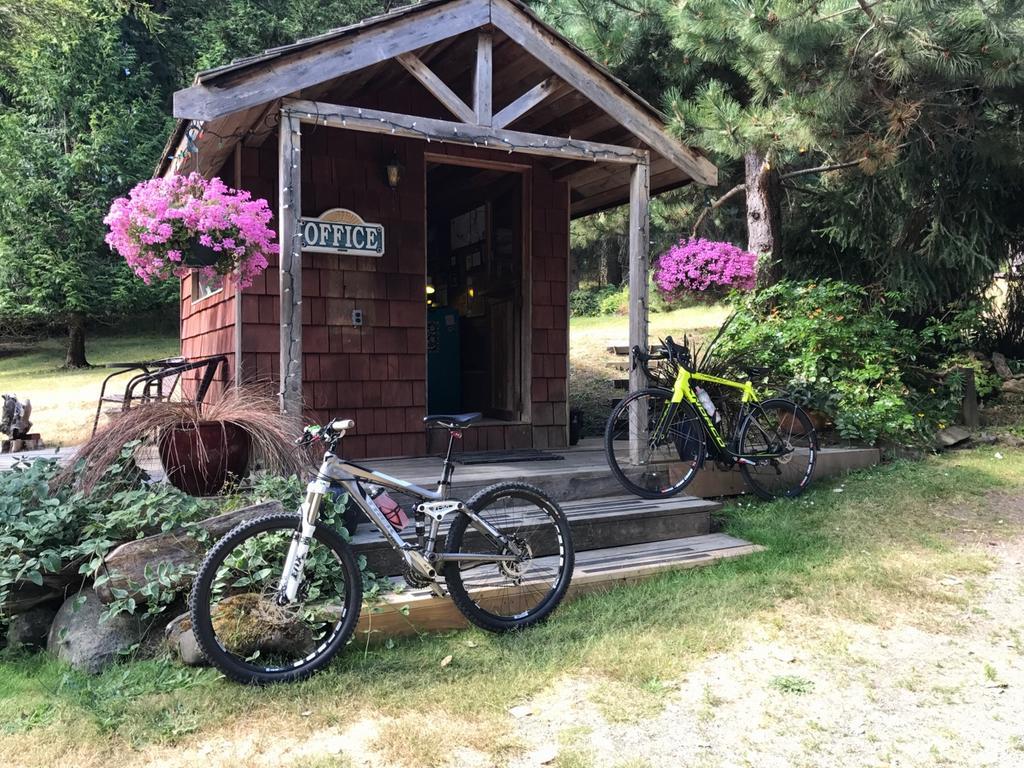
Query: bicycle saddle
point(452, 420)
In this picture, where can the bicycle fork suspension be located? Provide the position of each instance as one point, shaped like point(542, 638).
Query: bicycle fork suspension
point(291, 576)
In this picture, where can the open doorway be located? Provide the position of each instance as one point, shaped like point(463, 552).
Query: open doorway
point(475, 290)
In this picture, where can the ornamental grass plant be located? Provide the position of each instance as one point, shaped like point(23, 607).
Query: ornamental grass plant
point(251, 409)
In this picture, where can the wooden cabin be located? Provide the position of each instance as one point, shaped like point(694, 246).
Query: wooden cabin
point(424, 165)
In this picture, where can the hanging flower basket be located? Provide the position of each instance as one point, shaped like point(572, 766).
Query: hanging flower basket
point(165, 227)
point(199, 255)
point(705, 267)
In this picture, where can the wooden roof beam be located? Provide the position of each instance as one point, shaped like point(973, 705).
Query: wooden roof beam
point(483, 78)
point(280, 77)
point(437, 87)
point(411, 126)
point(543, 45)
point(534, 97)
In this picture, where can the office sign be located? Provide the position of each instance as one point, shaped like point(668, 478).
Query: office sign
point(340, 230)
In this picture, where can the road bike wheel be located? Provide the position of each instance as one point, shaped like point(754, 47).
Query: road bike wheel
point(778, 427)
point(671, 447)
point(500, 597)
point(238, 621)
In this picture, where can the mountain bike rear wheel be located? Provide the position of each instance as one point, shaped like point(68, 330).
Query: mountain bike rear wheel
point(515, 594)
point(668, 449)
point(782, 432)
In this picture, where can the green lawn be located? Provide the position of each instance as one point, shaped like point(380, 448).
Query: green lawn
point(591, 372)
point(866, 550)
point(64, 402)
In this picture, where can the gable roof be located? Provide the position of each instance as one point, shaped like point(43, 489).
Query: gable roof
point(240, 94)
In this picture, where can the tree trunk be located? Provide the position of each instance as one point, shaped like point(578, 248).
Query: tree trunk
point(76, 343)
point(764, 217)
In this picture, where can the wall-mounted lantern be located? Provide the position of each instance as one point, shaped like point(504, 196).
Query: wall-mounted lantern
point(393, 172)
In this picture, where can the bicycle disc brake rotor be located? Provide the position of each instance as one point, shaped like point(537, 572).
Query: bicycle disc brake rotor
point(517, 569)
point(787, 456)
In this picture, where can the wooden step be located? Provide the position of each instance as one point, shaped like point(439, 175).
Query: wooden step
point(413, 611)
point(595, 524)
point(623, 349)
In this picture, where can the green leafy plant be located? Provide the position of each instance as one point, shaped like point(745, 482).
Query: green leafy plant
point(55, 538)
point(840, 349)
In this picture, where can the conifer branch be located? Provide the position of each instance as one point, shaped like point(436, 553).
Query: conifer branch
point(819, 169)
point(715, 205)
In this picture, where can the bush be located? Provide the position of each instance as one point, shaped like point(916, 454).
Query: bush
point(840, 349)
point(595, 300)
point(53, 534)
point(700, 265)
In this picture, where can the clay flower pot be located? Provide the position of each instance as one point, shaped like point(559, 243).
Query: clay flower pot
point(198, 458)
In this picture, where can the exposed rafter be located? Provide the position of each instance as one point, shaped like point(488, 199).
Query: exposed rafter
point(377, 121)
point(545, 46)
point(333, 58)
point(429, 80)
point(529, 100)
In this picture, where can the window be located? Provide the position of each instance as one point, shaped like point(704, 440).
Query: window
point(204, 287)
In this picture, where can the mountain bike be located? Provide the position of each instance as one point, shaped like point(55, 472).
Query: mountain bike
point(278, 596)
point(658, 438)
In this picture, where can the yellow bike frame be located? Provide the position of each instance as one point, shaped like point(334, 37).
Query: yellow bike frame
point(682, 390)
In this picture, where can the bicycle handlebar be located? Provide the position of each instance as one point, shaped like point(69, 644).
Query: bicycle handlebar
point(672, 352)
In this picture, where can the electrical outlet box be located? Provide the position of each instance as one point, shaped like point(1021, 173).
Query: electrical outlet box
point(357, 317)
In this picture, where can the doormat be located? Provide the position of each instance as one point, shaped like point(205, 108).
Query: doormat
point(505, 457)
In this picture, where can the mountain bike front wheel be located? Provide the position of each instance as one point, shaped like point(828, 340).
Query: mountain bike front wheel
point(242, 624)
point(780, 439)
point(654, 447)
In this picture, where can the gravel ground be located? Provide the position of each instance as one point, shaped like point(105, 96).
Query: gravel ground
point(820, 691)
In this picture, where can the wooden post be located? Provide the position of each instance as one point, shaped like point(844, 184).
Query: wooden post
point(238, 291)
point(290, 265)
point(639, 250)
point(482, 93)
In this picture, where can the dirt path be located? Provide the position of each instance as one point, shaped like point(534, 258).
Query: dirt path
point(819, 691)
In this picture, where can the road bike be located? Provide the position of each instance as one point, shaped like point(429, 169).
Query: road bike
point(658, 438)
point(278, 596)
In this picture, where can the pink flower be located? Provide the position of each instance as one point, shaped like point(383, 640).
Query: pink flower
point(161, 218)
point(697, 265)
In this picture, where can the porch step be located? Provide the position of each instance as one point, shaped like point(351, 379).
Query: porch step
point(413, 611)
point(595, 524)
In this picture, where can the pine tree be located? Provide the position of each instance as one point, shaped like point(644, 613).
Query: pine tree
point(875, 140)
point(80, 122)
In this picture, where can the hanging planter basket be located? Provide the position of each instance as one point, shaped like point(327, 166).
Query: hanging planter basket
point(161, 227)
point(199, 255)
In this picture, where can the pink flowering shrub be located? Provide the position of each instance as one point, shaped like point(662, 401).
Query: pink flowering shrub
point(703, 265)
point(155, 226)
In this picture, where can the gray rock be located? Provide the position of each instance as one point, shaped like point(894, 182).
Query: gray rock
point(985, 439)
point(31, 628)
point(1011, 440)
point(950, 436)
point(1000, 366)
point(182, 642)
point(79, 637)
point(1013, 387)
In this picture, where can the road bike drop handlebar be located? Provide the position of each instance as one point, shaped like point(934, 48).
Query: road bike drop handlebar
point(672, 352)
